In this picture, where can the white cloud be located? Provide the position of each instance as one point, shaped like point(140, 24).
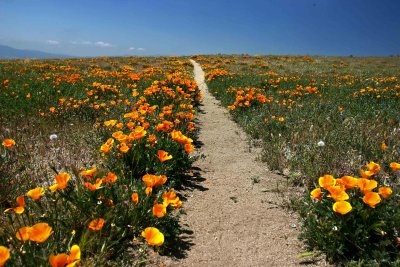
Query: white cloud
point(103, 44)
point(131, 48)
point(141, 49)
point(52, 42)
point(80, 42)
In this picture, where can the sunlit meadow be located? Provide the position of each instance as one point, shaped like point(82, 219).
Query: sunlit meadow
point(91, 150)
point(332, 125)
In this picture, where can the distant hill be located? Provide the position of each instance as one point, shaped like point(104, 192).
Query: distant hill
point(7, 52)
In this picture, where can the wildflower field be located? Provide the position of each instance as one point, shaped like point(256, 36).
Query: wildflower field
point(91, 151)
point(332, 125)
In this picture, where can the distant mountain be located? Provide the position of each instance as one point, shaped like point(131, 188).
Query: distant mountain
point(7, 52)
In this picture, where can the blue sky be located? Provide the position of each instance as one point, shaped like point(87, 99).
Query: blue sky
point(184, 27)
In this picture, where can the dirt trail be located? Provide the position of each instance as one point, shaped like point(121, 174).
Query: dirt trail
point(236, 219)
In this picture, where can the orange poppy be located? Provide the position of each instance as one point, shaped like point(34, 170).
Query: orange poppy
point(372, 199)
point(349, 181)
point(367, 185)
point(135, 198)
point(95, 186)
point(8, 143)
point(62, 180)
point(342, 207)
point(385, 192)
point(163, 155)
point(71, 260)
point(153, 236)
point(89, 173)
point(316, 193)
point(110, 178)
point(159, 210)
point(395, 166)
point(21, 208)
point(337, 193)
point(326, 181)
point(40, 232)
point(96, 224)
point(4, 255)
point(36, 193)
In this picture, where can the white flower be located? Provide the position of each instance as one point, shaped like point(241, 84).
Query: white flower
point(321, 143)
point(53, 137)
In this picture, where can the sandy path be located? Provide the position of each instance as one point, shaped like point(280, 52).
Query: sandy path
point(235, 222)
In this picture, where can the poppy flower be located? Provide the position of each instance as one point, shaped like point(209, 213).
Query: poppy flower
point(110, 178)
point(8, 143)
point(36, 193)
point(61, 181)
point(372, 199)
point(89, 173)
point(153, 236)
point(316, 193)
point(23, 233)
point(40, 232)
point(395, 166)
point(71, 260)
point(337, 193)
point(4, 255)
point(95, 186)
point(189, 148)
point(163, 155)
point(159, 210)
point(385, 192)
point(135, 198)
point(96, 224)
point(342, 207)
point(21, 208)
point(349, 181)
point(367, 185)
point(326, 181)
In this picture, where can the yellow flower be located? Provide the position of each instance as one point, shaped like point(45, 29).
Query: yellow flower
point(8, 143)
point(96, 224)
point(163, 155)
point(372, 199)
point(71, 260)
point(4, 255)
point(153, 236)
point(326, 181)
point(36, 193)
point(342, 207)
point(316, 193)
point(385, 192)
